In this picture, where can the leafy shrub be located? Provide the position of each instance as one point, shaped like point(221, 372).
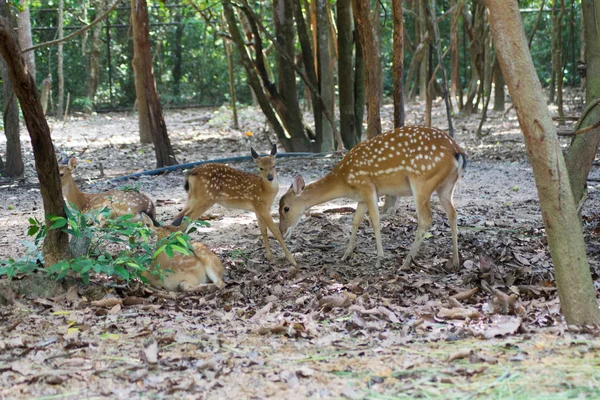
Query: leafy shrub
point(118, 247)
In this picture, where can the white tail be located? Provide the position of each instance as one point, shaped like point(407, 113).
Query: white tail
point(211, 184)
point(119, 202)
point(410, 160)
point(184, 272)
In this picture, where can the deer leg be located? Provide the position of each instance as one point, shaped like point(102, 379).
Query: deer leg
point(265, 236)
point(445, 193)
point(194, 211)
point(359, 214)
point(423, 205)
point(370, 199)
point(215, 277)
point(275, 231)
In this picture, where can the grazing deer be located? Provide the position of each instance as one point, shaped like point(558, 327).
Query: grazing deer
point(410, 160)
point(183, 272)
point(118, 202)
point(217, 183)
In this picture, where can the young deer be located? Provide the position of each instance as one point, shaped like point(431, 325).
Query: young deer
point(119, 202)
point(410, 160)
point(216, 183)
point(186, 272)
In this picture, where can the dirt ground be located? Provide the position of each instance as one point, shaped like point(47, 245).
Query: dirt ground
point(325, 329)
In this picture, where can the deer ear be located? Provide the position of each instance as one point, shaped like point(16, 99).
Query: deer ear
point(72, 163)
point(254, 153)
point(274, 150)
point(298, 184)
point(147, 220)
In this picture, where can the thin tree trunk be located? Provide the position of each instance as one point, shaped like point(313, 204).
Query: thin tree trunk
point(362, 17)
point(310, 67)
point(55, 246)
point(232, 94)
point(140, 90)
point(476, 38)
point(499, 96)
point(456, 84)
point(553, 49)
point(438, 48)
point(398, 63)
point(94, 57)
point(59, 66)
point(252, 76)
point(359, 86)
point(559, 64)
point(141, 37)
point(25, 38)
point(325, 73)
point(178, 53)
point(423, 33)
point(537, 23)
point(563, 229)
point(345, 73)
point(10, 113)
point(582, 151)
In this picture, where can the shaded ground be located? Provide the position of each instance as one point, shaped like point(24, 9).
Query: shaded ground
point(325, 329)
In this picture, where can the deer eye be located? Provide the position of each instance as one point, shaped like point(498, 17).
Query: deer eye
point(262, 169)
point(286, 209)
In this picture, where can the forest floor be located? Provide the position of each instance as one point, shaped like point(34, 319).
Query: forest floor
point(326, 329)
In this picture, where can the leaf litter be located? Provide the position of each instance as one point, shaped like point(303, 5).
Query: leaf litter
point(324, 329)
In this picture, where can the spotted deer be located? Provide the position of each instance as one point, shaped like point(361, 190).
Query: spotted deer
point(183, 272)
point(118, 202)
point(410, 160)
point(211, 184)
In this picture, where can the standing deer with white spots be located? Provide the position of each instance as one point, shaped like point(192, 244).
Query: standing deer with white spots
point(410, 160)
point(117, 201)
point(211, 184)
point(183, 272)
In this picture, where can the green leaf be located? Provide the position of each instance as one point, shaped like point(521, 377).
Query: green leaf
point(159, 250)
point(169, 251)
point(59, 222)
point(122, 272)
point(181, 250)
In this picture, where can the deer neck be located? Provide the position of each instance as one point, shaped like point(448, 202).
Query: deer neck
point(329, 187)
point(271, 187)
point(74, 195)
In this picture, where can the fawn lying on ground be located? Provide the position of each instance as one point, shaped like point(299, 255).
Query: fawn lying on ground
point(184, 272)
point(216, 183)
point(118, 202)
point(410, 160)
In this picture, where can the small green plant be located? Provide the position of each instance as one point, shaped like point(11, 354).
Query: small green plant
point(116, 247)
point(130, 187)
point(239, 253)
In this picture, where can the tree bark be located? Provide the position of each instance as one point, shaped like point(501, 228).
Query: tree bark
point(565, 239)
point(59, 60)
point(25, 38)
point(55, 246)
point(10, 113)
point(178, 53)
point(141, 37)
point(499, 96)
point(398, 63)
point(345, 73)
point(94, 57)
point(232, 94)
point(456, 84)
point(140, 89)
point(583, 148)
point(475, 33)
point(359, 86)
point(252, 76)
point(559, 64)
point(362, 17)
point(310, 66)
point(325, 73)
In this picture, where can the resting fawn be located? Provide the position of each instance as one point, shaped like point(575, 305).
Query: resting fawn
point(410, 160)
point(118, 202)
point(183, 272)
point(217, 183)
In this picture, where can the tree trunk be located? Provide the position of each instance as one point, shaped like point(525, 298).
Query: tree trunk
point(252, 76)
point(325, 73)
point(25, 38)
point(559, 64)
point(59, 60)
point(55, 246)
point(345, 73)
point(94, 57)
point(498, 87)
point(424, 38)
point(178, 53)
point(140, 89)
point(456, 84)
point(553, 49)
point(398, 63)
point(359, 86)
point(565, 239)
point(10, 114)
point(362, 17)
point(310, 66)
point(141, 38)
point(583, 148)
point(232, 94)
point(475, 33)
